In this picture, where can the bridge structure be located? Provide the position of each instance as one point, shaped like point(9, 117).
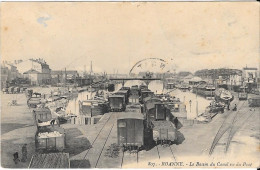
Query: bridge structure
point(146, 80)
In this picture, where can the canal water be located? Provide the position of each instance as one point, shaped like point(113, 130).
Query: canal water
point(73, 105)
point(194, 104)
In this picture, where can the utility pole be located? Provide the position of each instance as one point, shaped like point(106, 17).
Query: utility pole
point(61, 79)
point(91, 109)
point(65, 78)
point(74, 80)
point(197, 109)
point(91, 70)
point(190, 105)
point(84, 73)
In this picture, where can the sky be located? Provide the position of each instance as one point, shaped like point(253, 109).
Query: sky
point(116, 35)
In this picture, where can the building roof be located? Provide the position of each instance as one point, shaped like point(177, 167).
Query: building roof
point(152, 99)
point(54, 72)
point(11, 65)
point(5, 64)
point(249, 68)
point(190, 76)
point(116, 96)
point(126, 88)
point(122, 91)
point(196, 79)
point(146, 91)
point(131, 115)
point(31, 71)
point(50, 160)
point(151, 105)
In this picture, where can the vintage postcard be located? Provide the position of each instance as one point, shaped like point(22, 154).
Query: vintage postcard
point(130, 85)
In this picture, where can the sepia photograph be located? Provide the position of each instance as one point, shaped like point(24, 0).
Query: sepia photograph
point(130, 85)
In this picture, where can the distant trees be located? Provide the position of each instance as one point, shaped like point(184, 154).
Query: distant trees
point(184, 73)
point(216, 73)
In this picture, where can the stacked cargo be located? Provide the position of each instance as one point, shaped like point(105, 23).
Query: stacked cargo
point(50, 138)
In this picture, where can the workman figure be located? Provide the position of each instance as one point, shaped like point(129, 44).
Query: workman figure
point(228, 106)
point(24, 153)
point(16, 157)
point(235, 108)
point(52, 122)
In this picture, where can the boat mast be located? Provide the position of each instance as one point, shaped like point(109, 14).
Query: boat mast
point(65, 79)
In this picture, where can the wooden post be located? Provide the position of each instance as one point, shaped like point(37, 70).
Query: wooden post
point(197, 109)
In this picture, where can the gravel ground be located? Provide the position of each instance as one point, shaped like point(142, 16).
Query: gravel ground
point(16, 129)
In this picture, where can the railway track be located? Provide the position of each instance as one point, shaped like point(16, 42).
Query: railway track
point(165, 153)
point(129, 158)
point(96, 139)
point(158, 151)
point(173, 153)
point(238, 123)
point(230, 125)
point(104, 145)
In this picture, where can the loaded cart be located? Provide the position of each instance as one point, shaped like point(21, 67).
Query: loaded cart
point(164, 132)
point(50, 138)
